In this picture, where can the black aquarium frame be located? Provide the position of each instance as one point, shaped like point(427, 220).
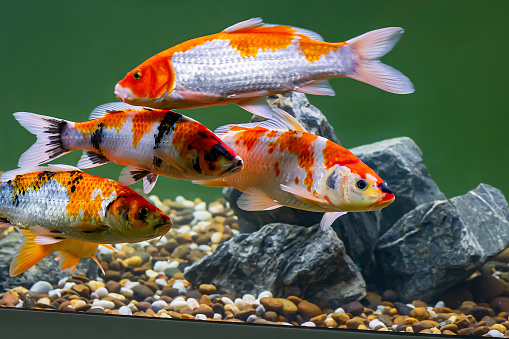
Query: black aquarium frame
point(20, 323)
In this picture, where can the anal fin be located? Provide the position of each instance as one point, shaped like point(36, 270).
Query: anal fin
point(129, 175)
point(211, 182)
point(329, 218)
point(258, 106)
point(317, 87)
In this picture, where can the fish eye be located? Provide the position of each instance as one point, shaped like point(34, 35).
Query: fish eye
point(361, 184)
point(143, 213)
point(137, 75)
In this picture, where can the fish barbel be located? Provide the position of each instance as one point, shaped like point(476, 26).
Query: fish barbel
point(299, 170)
point(150, 142)
point(251, 60)
point(60, 202)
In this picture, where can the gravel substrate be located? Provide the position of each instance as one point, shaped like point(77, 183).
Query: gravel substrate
point(146, 279)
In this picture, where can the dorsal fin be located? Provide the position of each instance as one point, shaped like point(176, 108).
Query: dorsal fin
point(258, 22)
point(100, 111)
point(9, 175)
point(279, 121)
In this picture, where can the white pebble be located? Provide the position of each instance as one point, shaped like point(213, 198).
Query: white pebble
point(101, 292)
point(200, 316)
point(126, 290)
point(160, 266)
point(216, 209)
point(178, 284)
point(411, 306)
point(184, 229)
point(161, 282)
point(192, 303)
point(62, 281)
point(116, 296)
point(439, 304)
point(227, 300)
point(151, 273)
point(160, 303)
point(68, 286)
point(188, 204)
point(494, 333)
point(339, 310)
point(159, 204)
point(106, 304)
point(79, 303)
point(217, 316)
point(193, 246)
point(202, 206)
point(235, 232)
point(265, 294)
point(202, 215)
point(178, 304)
point(132, 307)
point(252, 318)
point(308, 324)
point(380, 308)
point(41, 287)
point(249, 298)
point(216, 237)
point(204, 248)
point(180, 199)
point(125, 310)
point(374, 323)
point(19, 304)
point(173, 264)
point(57, 292)
point(131, 284)
point(285, 323)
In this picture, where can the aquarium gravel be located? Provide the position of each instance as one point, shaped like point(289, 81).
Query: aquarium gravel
point(147, 279)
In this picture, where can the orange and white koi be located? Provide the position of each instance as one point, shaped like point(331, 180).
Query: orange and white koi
point(299, 170)
point(59, 202)
point(251, 60)
point(70, 253)
point(150, 142)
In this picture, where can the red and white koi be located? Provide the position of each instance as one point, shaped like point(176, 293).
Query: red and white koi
point(70, 253)
point(299, 170)
point(150, 142)
point(59, 202)
point(251, 60)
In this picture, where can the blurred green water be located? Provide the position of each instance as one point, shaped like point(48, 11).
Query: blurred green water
point(63, 58)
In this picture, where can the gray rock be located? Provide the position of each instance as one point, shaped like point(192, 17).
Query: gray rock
point(285, 259)
point(41, 287)
point(47, 269)
point(399, 163)
point(439, 244)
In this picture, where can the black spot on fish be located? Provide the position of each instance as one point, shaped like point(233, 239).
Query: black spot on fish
point(89, 231)
point(97, 136)
point(331, 180)
point(165, 127)
point(217, 151)
point(73, 188)
point(196, 165)
point(156, 162)
point(59, 238)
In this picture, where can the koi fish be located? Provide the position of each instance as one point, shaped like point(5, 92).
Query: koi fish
point(251, 60)
point(150, 142)
point(299, 170)
point(70, 253)
point(59, 202)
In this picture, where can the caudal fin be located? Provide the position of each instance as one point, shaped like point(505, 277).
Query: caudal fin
point(28, 254)
point(370, 47)
point(49, 142)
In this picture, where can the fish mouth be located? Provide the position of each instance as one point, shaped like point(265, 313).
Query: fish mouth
point(383, 201)
point(121, 93)
point(236, 166)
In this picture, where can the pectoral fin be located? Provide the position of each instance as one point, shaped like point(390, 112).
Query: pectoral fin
point(91, 159)
point(329, 218)
point(169, 159)
point(149, 182)
point(304, 195)
point(253, 199)
point(200, 97)
point(28, 254)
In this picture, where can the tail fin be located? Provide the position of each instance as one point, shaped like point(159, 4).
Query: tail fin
point(371, 46)
point(49, 142)
point(28, 254)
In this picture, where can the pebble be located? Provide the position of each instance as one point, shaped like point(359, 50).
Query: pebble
point(200, 316)
point(260, 311)
point(160, 266)
point(494, 333)
point(131, 284)
point(202, 215)
point(216, 237)
point(42, 287)
point(125, 310)
point(264, 294)
point(106, 304)
point(151, 273)
point(140, 292)
point(101, 292)
point(308, 324)
point(94, 285)
point(308, 310)
point(177, 305)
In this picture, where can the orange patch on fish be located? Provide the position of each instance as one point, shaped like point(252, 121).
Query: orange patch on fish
point(308, 180)
point(112, 120)
point(250, 137)
point(296, 180)
point(276, 168)
point(142, 123)
point(271, 134)
point(334, 154)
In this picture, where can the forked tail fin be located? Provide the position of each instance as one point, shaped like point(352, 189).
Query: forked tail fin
point(370, 47)
point(49, 142)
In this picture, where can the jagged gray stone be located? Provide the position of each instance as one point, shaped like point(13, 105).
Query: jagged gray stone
point(286, 260)
point(439, 244)
point(47, 269)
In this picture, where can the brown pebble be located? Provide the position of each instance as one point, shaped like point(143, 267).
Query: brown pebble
point(82, 290)
point(410, 320)
point(207, 311)
point(288, 306)
point(462, 322)
point(419, 303)
point(419, 326)
point(294, 299)
point(207, 289)
point(447, 332)
point(340, 318)
point(400, 320)
point(354, 323)
point(308, 310)
point(271, 304)
point(318, 319)
point(244, 314)
point(481, 330)
point(205, 299)
point(10, 298)
point(420, 313)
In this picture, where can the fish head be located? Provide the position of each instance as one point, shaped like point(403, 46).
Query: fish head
point(147, 84)
point(356, 188)
point(135, 219)
point(205, 152)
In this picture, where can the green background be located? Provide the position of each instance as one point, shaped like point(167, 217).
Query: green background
point(63, 58)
